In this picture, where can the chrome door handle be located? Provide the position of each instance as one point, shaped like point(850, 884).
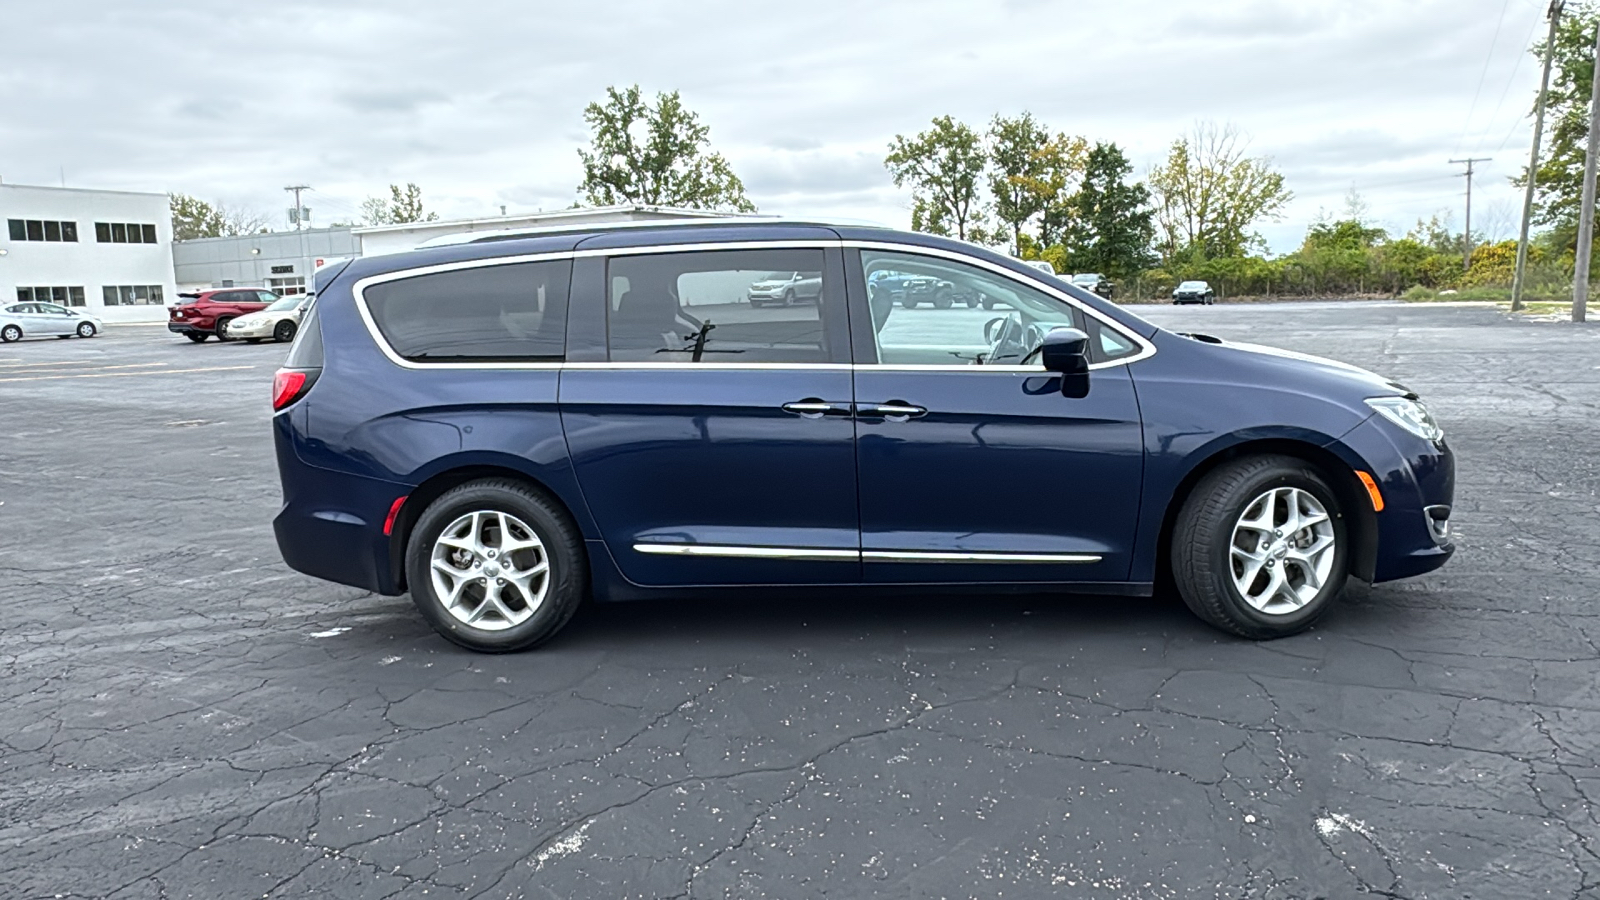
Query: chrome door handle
point(894, 409)
point(815, 409)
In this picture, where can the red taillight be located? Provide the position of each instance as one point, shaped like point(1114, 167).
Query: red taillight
point(394, 513)
point(286, 387)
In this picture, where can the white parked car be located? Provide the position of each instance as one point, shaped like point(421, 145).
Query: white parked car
point(20, 320)
point(277, 322)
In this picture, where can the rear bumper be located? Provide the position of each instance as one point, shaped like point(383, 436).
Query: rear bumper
point(187, 328)
point(331, 524)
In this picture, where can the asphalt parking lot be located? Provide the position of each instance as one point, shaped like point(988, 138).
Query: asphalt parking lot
point(183, 716)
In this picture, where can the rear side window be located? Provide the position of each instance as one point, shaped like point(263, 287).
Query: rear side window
point(500, 313)
point(720, 306)
point(306, 351)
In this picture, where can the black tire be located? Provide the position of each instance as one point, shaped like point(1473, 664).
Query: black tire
point(908, 303)
point(10, 333)
point(1202, 539)
point(222, 329)
point(199, 337)
point(943, 300)
point(972, 301)
point(86, 329)
point(788, 298)
point(283, 332)
point(569, 570)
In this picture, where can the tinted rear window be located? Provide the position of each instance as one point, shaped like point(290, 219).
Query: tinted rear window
point(499, 313)
point(306, 351)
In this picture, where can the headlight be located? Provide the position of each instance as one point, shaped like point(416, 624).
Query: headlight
point(1409, 414)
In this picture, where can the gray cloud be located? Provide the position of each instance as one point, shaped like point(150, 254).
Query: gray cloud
point(481, 101)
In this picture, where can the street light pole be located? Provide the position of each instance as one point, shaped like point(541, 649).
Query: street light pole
point(1533, 155)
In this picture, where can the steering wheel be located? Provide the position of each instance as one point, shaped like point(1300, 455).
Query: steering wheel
point(1009, 340)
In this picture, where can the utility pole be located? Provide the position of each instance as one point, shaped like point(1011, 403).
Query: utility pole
point(1466, 238)
point(1554, 15)
point(296, 216)
point(1580, 272)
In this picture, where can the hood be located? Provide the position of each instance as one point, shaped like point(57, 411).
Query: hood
point(1294, 367)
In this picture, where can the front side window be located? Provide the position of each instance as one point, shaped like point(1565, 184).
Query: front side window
point(499, 313)
point(975, 318)
point(719, 306)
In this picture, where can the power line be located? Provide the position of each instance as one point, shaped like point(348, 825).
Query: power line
point(1506, 91)
point(1467, 125)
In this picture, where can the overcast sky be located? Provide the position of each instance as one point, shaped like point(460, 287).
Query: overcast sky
point(480, 102)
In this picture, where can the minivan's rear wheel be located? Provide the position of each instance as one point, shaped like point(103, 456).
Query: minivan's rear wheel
point(495, 566)
point(1259, 548)
point(199, 337)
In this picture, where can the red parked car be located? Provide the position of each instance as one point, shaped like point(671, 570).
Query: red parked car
point(207, 314)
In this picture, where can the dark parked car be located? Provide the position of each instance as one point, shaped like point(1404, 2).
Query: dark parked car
point(1194, 292)
point(207, 313)
point(1094, 281)
point(506, 427)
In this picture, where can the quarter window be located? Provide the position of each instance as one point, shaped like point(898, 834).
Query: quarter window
point(501, 313)
point(722, 306)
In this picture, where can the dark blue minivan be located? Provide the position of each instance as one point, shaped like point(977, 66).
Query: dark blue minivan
point(508, 425)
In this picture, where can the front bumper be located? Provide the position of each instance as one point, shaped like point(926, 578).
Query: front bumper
point(1417, 479)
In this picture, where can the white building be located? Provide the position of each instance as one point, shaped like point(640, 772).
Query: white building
point(109, 252)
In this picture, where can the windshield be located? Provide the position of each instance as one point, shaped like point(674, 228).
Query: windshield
point(1085, 279)
point(1188, 285)
point(284, 305)
point(777, 276)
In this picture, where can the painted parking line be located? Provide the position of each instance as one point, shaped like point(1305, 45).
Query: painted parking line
point(27, 364)
point(12, 371)
point(127, 374)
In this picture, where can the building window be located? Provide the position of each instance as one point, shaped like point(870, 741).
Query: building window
point(132, 295)
point(40, 230)
point(62, 296)
point(285, 287)
point(124, 233)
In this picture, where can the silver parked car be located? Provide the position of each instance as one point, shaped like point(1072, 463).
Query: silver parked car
point(20, 320)
point(784, 288)
point(278, 321)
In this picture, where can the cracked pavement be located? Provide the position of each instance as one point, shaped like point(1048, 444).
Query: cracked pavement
point(185, 717)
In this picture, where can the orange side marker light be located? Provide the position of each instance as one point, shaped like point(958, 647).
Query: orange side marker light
point(1372, 490)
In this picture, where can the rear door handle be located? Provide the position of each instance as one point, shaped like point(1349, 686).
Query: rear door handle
point(894, 409)
point(812, 408)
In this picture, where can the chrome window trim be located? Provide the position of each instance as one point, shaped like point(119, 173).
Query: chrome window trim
point(813, 553)
point(358, 290)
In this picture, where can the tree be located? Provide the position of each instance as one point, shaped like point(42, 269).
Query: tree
point(195, 218)
point(944, 167)
point(402, 207)
point(1209, 194)
point(1560, 182)
point(1029, 172)
point(656, 155)
point(1112, 225)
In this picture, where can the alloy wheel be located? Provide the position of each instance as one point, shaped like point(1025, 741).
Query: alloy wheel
point(1283, 550)
point(490, 570)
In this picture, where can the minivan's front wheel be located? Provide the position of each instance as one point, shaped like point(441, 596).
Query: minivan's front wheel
point(495, 566)
point(1260, 547)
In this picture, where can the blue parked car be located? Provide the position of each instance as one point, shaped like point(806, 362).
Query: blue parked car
point(507, 426)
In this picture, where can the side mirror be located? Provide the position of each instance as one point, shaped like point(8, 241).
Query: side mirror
point(1066, 350)
point(991, 329)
